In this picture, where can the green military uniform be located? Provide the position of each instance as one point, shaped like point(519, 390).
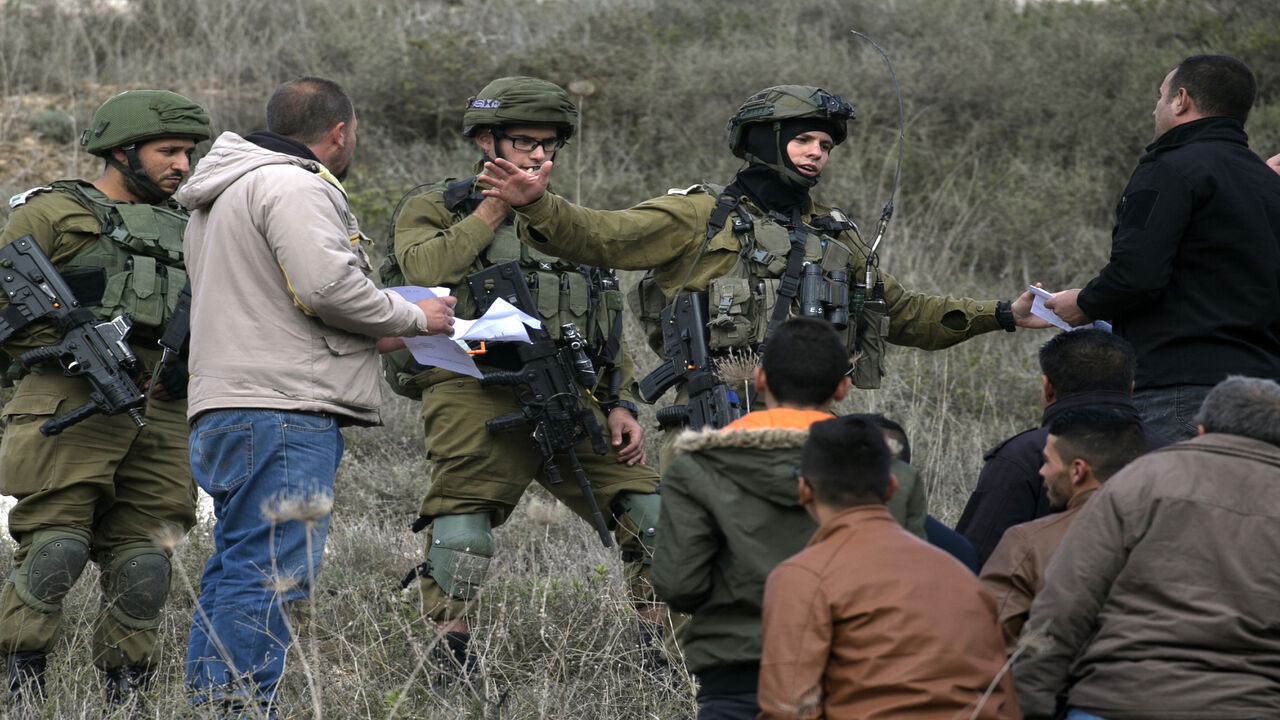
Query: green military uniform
point(476, 472)
point(103, 489)
point(758, 265)
point(118, 485)
point(740, 273)
point(666, 233)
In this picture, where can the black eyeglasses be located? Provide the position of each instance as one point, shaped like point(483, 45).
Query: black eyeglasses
point(524, 143)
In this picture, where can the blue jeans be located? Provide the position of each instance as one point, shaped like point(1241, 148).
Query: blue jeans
point(1074, 714)
point(270, 474)
point(1171, 411)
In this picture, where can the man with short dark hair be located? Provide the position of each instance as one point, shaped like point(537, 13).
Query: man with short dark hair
point(1082, 368)
point(1085, 447)
point(1161, 600)
point(869, 621)
point(283, 327)
point(729, 514)
point(1195, 255)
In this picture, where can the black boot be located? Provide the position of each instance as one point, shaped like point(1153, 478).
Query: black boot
point(453, 660)
point(26, 678)
point(125, 685)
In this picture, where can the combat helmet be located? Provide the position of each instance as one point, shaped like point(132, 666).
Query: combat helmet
point(135, 116)
point(781, 103)
point(138, 115)
point(789, 102)
point(520, 100)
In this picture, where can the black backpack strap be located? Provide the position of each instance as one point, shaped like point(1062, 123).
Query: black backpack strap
point(789, 283)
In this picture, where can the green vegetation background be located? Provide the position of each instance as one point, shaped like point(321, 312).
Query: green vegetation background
point(1022, 125)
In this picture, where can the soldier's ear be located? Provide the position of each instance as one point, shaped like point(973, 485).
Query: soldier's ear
point(484, 141)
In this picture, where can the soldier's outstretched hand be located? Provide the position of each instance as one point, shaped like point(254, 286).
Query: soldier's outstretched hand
point(512, 185)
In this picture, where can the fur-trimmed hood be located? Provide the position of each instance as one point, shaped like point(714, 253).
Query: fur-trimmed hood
point(760, 462)
point(762, 439)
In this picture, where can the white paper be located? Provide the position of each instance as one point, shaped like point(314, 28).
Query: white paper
point(1039, 310)
point(502, 323)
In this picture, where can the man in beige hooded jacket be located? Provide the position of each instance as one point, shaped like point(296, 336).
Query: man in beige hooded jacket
point(283, 328)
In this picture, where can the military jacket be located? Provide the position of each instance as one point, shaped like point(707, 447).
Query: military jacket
point(666, 235)
point(118, 257)
point(438, 242)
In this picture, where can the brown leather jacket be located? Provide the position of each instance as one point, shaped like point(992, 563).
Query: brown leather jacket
point(1015, 571)
point(1160, 604)
point(871, 622)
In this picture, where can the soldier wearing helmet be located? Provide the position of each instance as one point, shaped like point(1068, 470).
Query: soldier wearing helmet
point(103, 490)
point(751, 254)
point(758, 249)
point(445, 233)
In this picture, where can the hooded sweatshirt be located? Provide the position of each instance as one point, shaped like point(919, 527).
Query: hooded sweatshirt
point(283, 315)
point(729, 515)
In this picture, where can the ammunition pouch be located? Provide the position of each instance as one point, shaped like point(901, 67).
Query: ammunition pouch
point(646, 301)
point(871, 342)
point(734, 319)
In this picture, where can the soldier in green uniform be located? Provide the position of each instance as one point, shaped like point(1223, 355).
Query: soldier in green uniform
point(760, 248)
point(446, 233)
point(103, 489)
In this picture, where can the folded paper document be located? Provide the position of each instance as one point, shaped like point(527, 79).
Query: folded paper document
point(502, 323)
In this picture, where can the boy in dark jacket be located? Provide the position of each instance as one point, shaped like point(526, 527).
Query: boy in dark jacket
point(729, 513)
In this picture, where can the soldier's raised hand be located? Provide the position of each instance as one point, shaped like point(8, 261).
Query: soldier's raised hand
point(512, 185)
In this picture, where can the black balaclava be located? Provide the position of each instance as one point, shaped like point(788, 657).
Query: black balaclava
point(770, 179)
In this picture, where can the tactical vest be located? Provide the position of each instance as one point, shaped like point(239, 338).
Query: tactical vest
point(135, 266)
point(741, 303)
point(564, 292)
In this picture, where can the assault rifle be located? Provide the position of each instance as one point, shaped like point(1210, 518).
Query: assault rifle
point(686, 358)
point(96, 350)
point(552, 374)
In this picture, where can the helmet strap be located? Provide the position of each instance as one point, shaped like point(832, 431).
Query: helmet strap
point(135, 177)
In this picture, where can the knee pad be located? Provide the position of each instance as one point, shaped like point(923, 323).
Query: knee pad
point(136, 585)
point(639, 513)
point(461, 548)
point(53, 563)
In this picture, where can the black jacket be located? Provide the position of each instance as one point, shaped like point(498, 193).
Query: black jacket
point(1193, 282)
point(1010, 489)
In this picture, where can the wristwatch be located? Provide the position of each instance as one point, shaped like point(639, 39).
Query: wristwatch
point(1004, 316)
point(624, 404)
